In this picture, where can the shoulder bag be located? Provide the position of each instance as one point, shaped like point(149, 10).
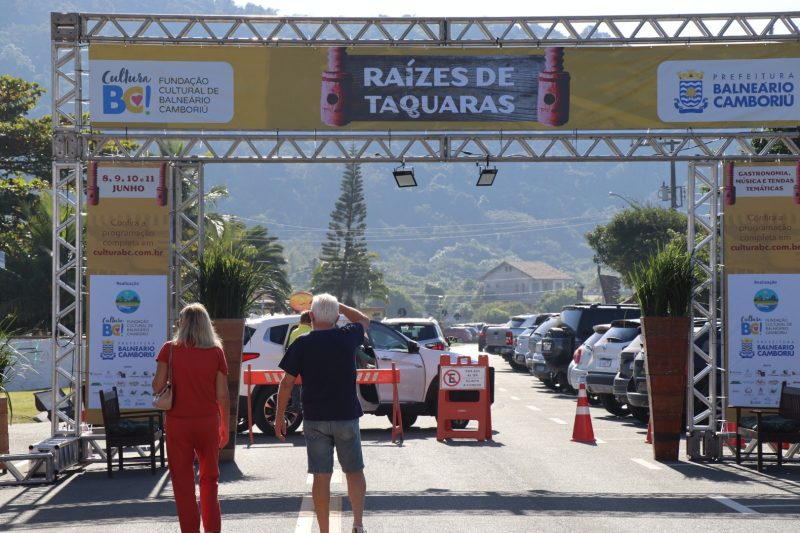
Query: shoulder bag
point(163, 399)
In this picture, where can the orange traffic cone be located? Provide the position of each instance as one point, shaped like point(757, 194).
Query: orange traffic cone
point(582, 430)
point(649, 438)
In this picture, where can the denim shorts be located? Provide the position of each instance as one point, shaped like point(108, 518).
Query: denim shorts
point(323, 435)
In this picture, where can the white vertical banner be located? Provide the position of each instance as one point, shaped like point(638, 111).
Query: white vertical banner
point(763, 315)
point(128, 320)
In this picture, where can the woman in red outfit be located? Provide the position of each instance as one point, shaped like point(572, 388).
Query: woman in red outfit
point(196, 424)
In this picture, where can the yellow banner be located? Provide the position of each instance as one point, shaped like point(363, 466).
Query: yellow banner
point(127, 257)
point(381, 88)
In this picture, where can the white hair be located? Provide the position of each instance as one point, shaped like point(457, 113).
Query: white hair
point(325, 308)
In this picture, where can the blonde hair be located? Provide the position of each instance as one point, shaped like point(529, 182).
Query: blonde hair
point(195, 328)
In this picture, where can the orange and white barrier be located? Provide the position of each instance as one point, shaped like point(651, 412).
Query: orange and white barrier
point(364, 376)
point(582, 430)
point(464, 375)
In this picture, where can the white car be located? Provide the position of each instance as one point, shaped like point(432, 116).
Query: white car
point(425, 331)
point(418, 389)
point(604, 363)
point(576, 374)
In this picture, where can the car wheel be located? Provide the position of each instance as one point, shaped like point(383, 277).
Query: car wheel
point(613, 406)
point(518, 367)
point(408, 419)
point(642, 414)
point(264, 414)
point(562, 383)
point(593, 399)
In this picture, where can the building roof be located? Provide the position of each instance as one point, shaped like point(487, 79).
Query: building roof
point(533, 269)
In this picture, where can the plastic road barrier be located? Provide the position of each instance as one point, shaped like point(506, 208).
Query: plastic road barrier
point(364, 376)
point(464, 375)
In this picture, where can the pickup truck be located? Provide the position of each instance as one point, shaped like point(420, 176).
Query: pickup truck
point(501, 339)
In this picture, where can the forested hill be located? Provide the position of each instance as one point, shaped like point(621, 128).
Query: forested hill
point(444, 231)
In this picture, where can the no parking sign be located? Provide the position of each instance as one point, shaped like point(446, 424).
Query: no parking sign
point(463, 378)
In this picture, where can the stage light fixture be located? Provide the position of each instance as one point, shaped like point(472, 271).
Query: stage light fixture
point(486, 175)
point(404, 176)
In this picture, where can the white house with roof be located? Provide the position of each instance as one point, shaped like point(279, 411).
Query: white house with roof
point(523, 281)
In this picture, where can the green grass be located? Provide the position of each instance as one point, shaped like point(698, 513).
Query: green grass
point(24, 407)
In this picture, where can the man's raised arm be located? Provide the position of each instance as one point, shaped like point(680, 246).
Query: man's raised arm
point(354, 315)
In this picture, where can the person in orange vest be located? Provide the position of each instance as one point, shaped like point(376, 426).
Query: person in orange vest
point(326, 358)
point(197, 424)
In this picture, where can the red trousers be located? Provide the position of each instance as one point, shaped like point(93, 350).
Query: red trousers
point(187, 437)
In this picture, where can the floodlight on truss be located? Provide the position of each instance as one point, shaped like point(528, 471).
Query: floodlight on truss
point(404, 176)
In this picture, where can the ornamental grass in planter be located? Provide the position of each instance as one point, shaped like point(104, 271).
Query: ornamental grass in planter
point(228, 283)
point(663, 287)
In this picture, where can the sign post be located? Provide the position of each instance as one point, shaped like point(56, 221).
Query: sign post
point(456, 379)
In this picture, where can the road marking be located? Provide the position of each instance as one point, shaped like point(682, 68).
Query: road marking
point(646, 464)
point(599, 441)
point(738, 507)
point(515, 398)
point(305, 519)
point(501, 389)
point(159, 486)
point(533, 408)
point(559, 421)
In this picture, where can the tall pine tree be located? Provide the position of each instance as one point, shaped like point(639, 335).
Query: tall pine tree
point(344, 267)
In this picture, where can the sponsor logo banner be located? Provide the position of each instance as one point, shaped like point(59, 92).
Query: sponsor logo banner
point(161, 91)
point(411, 88)
point(729, 90)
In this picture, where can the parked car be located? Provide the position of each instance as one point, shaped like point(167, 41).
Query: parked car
point(580, 359)
point(425, 331)
point(482, 336)
point(604, 364)
point(577, 321)
point(534, 359)
point(418, 390)
point(624, 382)
point(522, 344)
point(459, 334)
point(500, 339)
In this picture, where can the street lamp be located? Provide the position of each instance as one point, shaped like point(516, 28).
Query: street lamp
point(632, 203)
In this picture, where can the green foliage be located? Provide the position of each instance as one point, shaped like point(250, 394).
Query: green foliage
point(663, 284)
point(498, 312)
point(12, 363)
point(228, 282)
point(552, 302)
point(25, 285)
point(398, 298)
point(25, 144)
point(634, 234)
point(778, 148)
point(345, 267)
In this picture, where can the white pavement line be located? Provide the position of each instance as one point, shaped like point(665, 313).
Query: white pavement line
point(515, 398)
point(159, 486)
point(646, 464)
point(533, 408)
point(305, 519)
point(738, 507)
point(501, 389)
point(599, 441)
point(558, 421)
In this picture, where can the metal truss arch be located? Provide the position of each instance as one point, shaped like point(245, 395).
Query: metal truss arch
point(605, 30)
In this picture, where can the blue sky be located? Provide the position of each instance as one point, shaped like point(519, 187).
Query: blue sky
point(439, 8)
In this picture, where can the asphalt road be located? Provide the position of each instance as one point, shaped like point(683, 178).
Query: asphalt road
point(530, 477)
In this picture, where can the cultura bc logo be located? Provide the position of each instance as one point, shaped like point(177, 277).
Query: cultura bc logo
point(750, 325)
point(690, 92)
point(126, 91)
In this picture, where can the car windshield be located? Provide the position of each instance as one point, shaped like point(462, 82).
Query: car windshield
point(517, 321)
point(416, 332)
point(593, 339)
point(616, 334)
point(549, 323)
point(570, 317)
